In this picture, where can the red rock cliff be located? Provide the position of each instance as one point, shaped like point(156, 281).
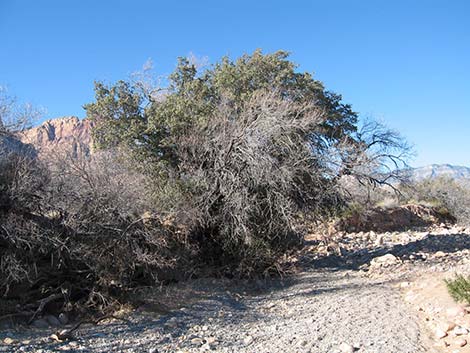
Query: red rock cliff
point(68, 134)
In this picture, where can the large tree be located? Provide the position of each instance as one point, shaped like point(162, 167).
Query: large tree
point(242, 147)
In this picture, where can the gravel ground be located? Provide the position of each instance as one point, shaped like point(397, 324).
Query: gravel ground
point(337, 304)
point(317, 312)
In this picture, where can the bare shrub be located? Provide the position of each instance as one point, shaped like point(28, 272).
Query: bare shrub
point(15, 117)
point(90, 237)
point(247, 175)
point(443, 193)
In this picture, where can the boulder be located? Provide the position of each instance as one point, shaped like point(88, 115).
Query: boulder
point(385, 260)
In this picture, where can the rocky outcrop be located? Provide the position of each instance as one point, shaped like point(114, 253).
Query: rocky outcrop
point(67, 134)
point(394, 219)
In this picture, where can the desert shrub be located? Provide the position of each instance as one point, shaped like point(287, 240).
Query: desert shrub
point(80, 230)
point(22, 179)
point(444, 194)
point(459, 288)
point(249, 178)
point(105, 202)
point(86, 234)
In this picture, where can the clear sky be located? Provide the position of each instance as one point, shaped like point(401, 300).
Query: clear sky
point(405, 63)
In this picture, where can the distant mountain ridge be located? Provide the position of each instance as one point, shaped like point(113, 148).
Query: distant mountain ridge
point(459, 173)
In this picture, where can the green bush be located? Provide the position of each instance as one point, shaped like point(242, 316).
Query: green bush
point(459, 288)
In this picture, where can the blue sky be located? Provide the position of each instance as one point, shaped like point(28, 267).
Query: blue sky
point(405, 63)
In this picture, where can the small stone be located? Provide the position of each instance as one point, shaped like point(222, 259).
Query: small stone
point(248, 340)
point(461, 342)
point(346, 348)
point(465, 322)
point(439, 333)
point(211, 340)
point(455, 311)
point(63, 318)
point(8, 340)
point(439, 254)
point(172, 323)
point(459, 331)
point(54, 337)
point(447, 326)
point(206, 347)
point(380, 240)
point(197, 341)
point(384, 260)
point(442, 343)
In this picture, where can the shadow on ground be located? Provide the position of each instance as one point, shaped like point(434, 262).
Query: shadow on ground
point(432, 243)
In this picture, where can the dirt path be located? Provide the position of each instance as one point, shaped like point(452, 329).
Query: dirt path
point(342, 306)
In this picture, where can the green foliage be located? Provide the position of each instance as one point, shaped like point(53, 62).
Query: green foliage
point(459, 288)
point(117, 113)
point(125, 114)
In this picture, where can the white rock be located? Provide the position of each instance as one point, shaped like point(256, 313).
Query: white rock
point(455, 311)
point(447, 326)
point(459, 331)
point(461, 342)
point(206, 347)
point(211, 340)
point(380, 240)
point(439, 333)
point(172, 323)
point(8, 340)
point(197, 341)
point(346, 348)
point(248, 340)
point(387, 259)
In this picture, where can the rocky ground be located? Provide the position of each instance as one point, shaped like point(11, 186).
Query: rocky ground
point(364, 292)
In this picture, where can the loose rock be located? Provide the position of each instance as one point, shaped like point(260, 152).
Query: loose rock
point(346, 348)
point(248, 340)
point(459, 331)
point(384, 260)
point(440, 333)
point(8, 340)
